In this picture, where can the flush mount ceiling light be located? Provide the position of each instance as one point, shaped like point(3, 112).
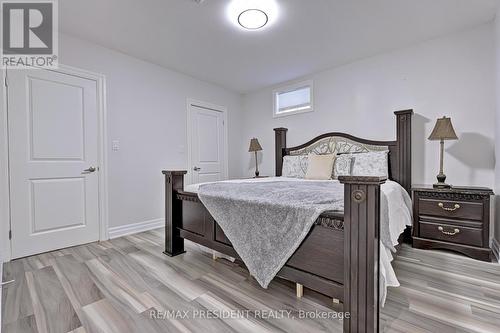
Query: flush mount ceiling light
point(252, 14)
point(253, 19)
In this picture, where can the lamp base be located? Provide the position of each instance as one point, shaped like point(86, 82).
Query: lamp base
point(257, 173)
point(441, 185)
point(441, 182)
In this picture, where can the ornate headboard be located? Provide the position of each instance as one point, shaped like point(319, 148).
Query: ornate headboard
point(329, 143)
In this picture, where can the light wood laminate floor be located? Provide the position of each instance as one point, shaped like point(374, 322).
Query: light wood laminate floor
point(115, 286)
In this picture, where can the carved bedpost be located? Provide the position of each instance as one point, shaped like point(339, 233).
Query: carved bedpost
point(174, 244)
point(403, 130)
point(280, 143)
point(361, 252)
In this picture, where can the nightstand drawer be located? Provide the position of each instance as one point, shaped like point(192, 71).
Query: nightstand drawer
point(451, 209)
point(451, 233)
point(451, 221)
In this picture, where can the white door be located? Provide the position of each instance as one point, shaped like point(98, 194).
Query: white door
point(207, 144)
point(53, 158)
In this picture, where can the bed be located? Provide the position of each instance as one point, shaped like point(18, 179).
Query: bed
point(341, 254)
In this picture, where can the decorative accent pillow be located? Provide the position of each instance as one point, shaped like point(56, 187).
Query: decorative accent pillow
point(342, 165)
point(294, 166)
point(371, 164)
point(320, 167)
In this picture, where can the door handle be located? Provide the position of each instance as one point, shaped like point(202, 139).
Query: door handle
point(196, 168)
point(7, 282)
point(89, 170)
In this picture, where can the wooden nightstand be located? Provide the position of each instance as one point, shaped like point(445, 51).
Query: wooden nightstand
point(456, 219)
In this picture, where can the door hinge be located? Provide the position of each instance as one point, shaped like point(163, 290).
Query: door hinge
point(10, 234)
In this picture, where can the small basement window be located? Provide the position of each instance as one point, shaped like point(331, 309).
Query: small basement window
point(297, 98)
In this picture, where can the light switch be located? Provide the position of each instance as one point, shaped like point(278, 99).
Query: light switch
point(115, 145)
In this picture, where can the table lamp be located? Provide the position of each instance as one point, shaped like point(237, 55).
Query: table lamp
point(254, 148)
point(442, 131)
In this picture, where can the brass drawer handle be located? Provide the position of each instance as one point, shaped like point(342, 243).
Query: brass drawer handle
point(449, 233)
point(441, 205)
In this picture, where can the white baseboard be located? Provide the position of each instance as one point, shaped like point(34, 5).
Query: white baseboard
point(135, 228)
point(1, 280)
point(495, 246)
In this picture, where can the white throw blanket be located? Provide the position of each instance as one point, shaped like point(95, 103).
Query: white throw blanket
point(265, 254)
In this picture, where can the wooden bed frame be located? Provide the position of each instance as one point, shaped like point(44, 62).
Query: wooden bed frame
point(340, 255)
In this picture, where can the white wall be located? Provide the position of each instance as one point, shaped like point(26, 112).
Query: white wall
point(452, 76)
point(147, 113)
point(497, 128)
point(4, 176)
point(4, 192)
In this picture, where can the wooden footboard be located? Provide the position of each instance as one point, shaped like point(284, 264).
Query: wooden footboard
point(338, 258)
point(361, 252)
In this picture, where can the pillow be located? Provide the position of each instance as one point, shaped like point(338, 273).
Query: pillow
point(342, 165)
point(320, 167)
point(371, 164)
point(294, 166)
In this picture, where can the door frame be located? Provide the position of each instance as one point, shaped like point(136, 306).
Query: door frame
point(213, 107)
point(5, 218)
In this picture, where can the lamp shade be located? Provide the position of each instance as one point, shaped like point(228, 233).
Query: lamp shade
point(254, 145)
point(443, 130)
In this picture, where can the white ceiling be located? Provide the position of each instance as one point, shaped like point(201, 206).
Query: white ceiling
point(309, 35)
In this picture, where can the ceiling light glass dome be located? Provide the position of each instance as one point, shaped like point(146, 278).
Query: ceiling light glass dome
point(252, 14)
point(253, 19)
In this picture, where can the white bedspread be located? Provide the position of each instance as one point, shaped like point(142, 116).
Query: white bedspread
point(395, 208)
